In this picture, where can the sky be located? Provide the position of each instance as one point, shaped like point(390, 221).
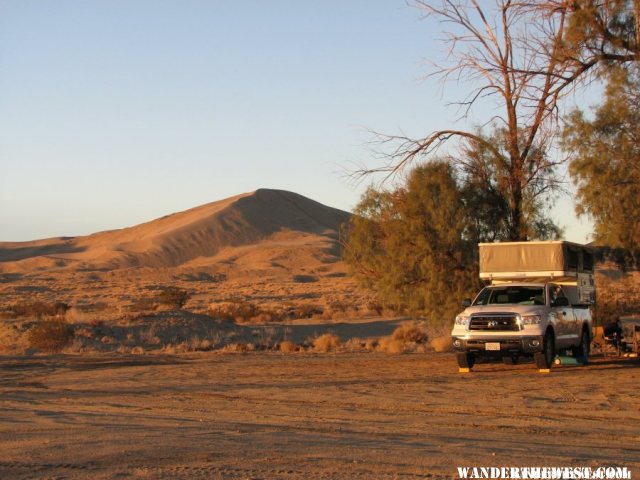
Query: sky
point(116, 112)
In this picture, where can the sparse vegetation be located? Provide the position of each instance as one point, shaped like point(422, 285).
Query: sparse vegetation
point(241, 311)
point(287, 347)
point(304, 279)
point(391, 345)
point(172, 297)
point(238, 311)
point(329, 342)
point(415, 332)
point(36, 309)
point(50, 336)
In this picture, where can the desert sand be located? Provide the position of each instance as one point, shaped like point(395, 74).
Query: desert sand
point(273, 248)
point(299, 416)
point(146, 391)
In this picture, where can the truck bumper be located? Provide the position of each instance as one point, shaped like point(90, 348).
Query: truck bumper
point(525, 345)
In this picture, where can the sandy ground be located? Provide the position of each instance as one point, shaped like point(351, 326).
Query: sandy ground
point(295, 416)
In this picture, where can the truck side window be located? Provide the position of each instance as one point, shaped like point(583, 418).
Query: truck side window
point(555, 292)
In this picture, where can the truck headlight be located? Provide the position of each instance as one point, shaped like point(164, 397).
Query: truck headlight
point(531, 319)
point(462, 319)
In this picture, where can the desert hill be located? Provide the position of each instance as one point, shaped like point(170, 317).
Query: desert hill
point(194, 235)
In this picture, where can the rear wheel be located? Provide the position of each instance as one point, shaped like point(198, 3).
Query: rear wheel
point(466, 360)
point(581, 352)
point(544, 359)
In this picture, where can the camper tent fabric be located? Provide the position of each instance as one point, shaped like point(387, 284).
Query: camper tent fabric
point(522, 257)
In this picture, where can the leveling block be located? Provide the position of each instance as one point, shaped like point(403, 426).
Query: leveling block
point(545, 370)
point(566, 360)
point(464, 370)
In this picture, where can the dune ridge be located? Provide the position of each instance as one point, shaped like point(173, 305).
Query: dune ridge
point(181, 237)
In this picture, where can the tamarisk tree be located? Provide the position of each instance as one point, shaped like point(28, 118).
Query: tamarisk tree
point(516, 55)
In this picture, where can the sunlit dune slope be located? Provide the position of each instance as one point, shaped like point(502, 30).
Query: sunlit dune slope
point(182, 237)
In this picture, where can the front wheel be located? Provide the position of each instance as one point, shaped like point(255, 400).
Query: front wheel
point(544, 359)
point(466, 360)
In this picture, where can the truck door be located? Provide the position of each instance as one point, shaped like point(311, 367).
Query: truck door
point(562, 315)
point(574, 323)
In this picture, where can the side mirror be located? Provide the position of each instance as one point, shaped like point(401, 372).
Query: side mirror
point(466, 303)
point(561, 302)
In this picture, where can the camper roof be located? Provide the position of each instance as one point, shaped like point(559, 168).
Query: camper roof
point(534, 260)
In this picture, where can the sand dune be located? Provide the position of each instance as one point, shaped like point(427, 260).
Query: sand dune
point(177, 239)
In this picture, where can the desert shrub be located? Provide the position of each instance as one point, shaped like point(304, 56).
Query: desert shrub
point(336, 275)
point(239, 347)
point(143, 305)
point(235, 310)
point(263, 317)
point(242, 312)
point(392, 345)
point(371, 344)
point(39, 309)
point(375, 307)
point(77, 345)
point(340, 309)
point(304, 279)
point(288, 347)
point(304, 311)
point(326, 343)
point(356, 345)
point(411, 332)
point(442, 344)
point(50, 335)
point(202, 277)
point(172, 297)
point(12, 338)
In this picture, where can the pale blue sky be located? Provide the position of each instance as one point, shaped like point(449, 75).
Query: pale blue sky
point(115, 112)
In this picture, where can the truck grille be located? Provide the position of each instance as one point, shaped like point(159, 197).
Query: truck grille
point(494, 322)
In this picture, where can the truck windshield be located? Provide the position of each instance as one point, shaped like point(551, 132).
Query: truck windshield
point(504, 295)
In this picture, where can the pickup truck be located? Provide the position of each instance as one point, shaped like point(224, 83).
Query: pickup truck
point(517, 319)
point(536, 304)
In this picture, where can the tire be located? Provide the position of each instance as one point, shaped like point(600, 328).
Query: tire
point(466, 360)
point(582, 350)
point(510, 360)
point(544, 359)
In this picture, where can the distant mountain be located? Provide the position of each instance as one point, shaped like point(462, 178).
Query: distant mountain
point(181, 237)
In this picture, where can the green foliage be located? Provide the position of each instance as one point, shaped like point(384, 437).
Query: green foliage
point(414, 246)
point(50, 335)
point(507, 197)
point(605, 162)
point(603, 31)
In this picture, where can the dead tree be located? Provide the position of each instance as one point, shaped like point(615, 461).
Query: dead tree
point(516, 55)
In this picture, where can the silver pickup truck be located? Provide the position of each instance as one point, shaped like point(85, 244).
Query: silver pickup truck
point(537, 304)
point(513, 320)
